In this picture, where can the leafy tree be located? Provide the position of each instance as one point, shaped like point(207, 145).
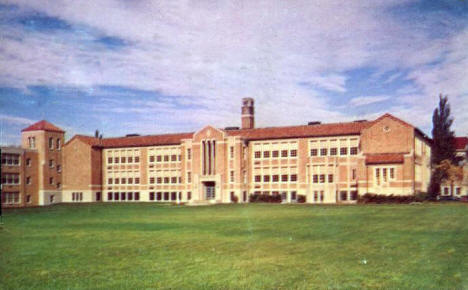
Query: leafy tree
point(452, 172)
point(443, 144)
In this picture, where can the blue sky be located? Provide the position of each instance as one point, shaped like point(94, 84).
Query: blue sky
point(147, 67)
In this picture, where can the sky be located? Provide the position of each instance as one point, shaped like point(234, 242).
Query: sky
point(151, 67)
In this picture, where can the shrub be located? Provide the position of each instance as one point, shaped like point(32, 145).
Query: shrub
point(234, 198)
point(264, 198)
point(301, 198)
point(379, 198)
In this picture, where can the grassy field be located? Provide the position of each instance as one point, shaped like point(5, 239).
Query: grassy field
point(235, 246)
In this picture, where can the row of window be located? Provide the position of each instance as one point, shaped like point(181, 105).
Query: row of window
point(10, 197)
point(10, 159)
point(383, 175)
point(343, 194)
point(165, 158)
point(123, 180)
point(165, 180)
point(129, 159)
point(58, 144)
point(322, 178)
point(123, 196)
point(334, 151)
point(276, 178)
point(52, 165)
point(168, 196)
point(10, 179)
point(275, 153)
point(52, 182)
point(284, 194)
point(77, 196)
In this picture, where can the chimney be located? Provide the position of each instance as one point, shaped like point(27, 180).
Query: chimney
point(248, 121)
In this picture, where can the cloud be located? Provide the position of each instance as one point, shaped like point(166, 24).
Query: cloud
point(363, 101)
point(15, 120)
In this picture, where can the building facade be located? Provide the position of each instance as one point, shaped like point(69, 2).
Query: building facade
point(326, 163)
point(460, 186)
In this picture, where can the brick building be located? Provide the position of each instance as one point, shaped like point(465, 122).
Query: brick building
point(327, 163)
point(460, 187)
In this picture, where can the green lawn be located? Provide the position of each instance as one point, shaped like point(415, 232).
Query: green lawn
point(235, 246)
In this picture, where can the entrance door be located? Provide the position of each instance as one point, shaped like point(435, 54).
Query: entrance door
point(210, 192)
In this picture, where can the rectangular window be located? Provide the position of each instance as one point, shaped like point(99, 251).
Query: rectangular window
point(28, 180)
point(258, 154)
point(266, 178)
point(377, 176)
point(51, 163)
point(123, 196)
point(151, 180)
point(123, 180)
point(189, 195)
point(158, 196)
point(32, 142)
point(293, 177)
point(130, 180)
point(293, 195)
point(130, 159)
point(284, 178)
point(58, 144)
point(231, 152)
point(275, 178)
point(343, 195)
point(189, 154)
point(130, 196)
point(315, 178)
point(166, 180)
point(173, 157)
point(109, 181)
point(109, 160)
point(159, 180)
point(137, 181)
point(109, 196)
point(116, 196)
point(284, 153)
point(158, 158)
point(51, 180)
point(353, 195)
point(231, 176)
point(151, 196)
point(137, 160)
point(353, 174)
point(122, 159)
point(353, 151)
point(166, 196)
point(323, 152)
point(51, 143)
point(266, 154)
point(137, 195)
point(330, 178)
point(384, 174)
point(321, 196)
point(166, 158)
point(293, 153)
point(313, 152)
point(258, 178)
point(116, 181)
point(59, 168)
point(275, 154)
point(116, 159)
point(392, 173)
point(189, 177)
point(333, 151)
point(173, 180)
point(322, 178)
point(173, 196)
point(458, 191)
point(344, 151)
point(28, 162)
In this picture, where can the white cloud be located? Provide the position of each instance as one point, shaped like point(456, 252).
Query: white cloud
point(362, 101)
point(13, 120)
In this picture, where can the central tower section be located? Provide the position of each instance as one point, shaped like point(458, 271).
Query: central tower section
point(248, 112)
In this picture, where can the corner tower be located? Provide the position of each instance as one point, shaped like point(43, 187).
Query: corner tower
point(248, 112)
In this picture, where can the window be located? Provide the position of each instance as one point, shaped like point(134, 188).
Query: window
point(384, 174)
point(231, 176)
point(11, 178)
point(151, 196)
point(109, 160)
point(333, 151)
point(116, 196)
point(313, 152)
point(377, 175)
point(231, 152)
point(137, 181)
point(58, 144)
point(266, 154)
point(446, 191)
point(353, 150)
point(32, 142)
point(116, 181)
point(166, 158)
point(59, 184)
point(284, 178)
point(52, 198)
point(353, 174)
point(266, 178)
point(275, 154)
point(173, 196)
point(151, 158)
point(28, 162)
point(116, 159)
point(179, 157)
point(130, 159)
point(343, 151)
point(10, 159)
point(315, 196)
point(322, 178)
point(458, 191)
point(166, 180)
point(28, 180)
point(189, 154)
point(123, 180)
point(180, 179)
point(315, 178)
point(189, 195)
point(59, 168)
point(330, 178)
point(293, 195)
point(166, 196)
point(123, 196)
point(258, 154)
point(323, 152)
point(293, 153)
point(51, 143)
point(130, 180)
point(275, 178)
point(158, 195)
point(109, 196)
point(293, 177)
point(28, 198)
point(159, 180)
point(151, 180)
point(284, 153)
point(98, 196)
point(158, 158)
point(137, 160)
point(130, 195)
point(392, 173)
point(173, 157)
point(258, 178)
point(173, 180)
point(321, 196)
point(122, 159)
point(343, 195)
point(51, 180)
point(51, 163)
point(109, 181)
point(189, 177)
point(353, 195)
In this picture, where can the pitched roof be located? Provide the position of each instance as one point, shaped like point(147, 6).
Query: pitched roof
point(460, 143)
point(386, 158)
point(332, 129)
point(43, 126)
point(93, 141)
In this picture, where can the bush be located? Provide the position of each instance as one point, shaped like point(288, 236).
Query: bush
point(264, 198)
point(234, 199)
point(301, 198)
point(378, 198)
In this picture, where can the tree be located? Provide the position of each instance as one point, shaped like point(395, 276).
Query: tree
point(97, 135)
point(442, 144)
point(452, 172)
